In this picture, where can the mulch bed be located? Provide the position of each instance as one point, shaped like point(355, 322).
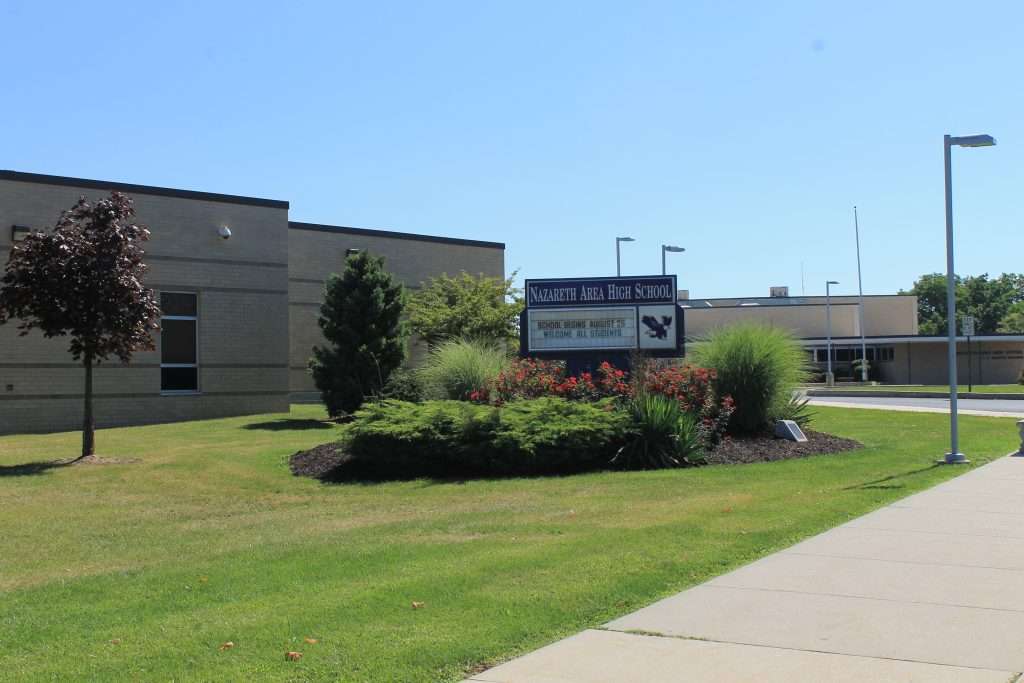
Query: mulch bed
point(319, 462)
point(767, 448)
point(324, 462)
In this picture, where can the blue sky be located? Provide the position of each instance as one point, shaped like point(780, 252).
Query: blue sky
point(743, 132)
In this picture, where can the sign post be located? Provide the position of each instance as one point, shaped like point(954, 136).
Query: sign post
point(969, 332)
point(586, 320)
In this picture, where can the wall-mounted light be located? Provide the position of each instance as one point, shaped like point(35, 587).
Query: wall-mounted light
point(224, 232)
point(19, 232)
point(351, 252)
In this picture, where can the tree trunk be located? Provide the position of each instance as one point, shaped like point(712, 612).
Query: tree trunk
point(88, 424)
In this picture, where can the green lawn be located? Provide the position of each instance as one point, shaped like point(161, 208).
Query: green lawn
point(141, 571)
point(978, 388)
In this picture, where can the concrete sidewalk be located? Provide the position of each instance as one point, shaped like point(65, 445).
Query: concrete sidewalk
point(930, 588)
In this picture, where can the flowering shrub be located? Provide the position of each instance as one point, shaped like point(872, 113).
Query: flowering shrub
point(690, 386)
point(693, 388)
point(532, 378)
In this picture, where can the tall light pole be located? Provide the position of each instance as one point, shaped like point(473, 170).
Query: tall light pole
point(618, 257)
point(830, 379)
point(665, 248)
point(860, 287)
point(954, 457)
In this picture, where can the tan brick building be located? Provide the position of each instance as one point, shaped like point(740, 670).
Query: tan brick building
point(239, 313)
point(897, 353)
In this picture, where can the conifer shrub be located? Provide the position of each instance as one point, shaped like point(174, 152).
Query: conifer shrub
point(398, 439)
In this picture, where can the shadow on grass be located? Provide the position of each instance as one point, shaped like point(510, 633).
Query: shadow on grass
point(288, 424)
point(30, 468)
point(881, 483)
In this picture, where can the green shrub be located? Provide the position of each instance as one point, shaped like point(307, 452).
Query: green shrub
point(759, 366)
point(404, 385)
point(456, 368)
point(1020, 380)
point(397, 439)
point(662, 435)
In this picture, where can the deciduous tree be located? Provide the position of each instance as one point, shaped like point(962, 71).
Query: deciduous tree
point(988, 300)
point(465, 306)
point(83, 280)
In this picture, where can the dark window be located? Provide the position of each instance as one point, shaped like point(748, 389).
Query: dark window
point(179, 379)
point(178, 341)
point(179, 354)
point(178, 303)
point(885, 354)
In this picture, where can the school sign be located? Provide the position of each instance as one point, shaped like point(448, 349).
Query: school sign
point(570, 316)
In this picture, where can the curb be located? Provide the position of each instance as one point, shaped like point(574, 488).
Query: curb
point(912, 394)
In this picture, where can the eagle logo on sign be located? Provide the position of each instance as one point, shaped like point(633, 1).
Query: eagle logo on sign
point(658, 330)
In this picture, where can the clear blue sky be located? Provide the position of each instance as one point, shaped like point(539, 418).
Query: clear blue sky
point(744, 133)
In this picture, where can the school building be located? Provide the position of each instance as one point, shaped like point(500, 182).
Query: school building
point(896, 352)
point(240, 286)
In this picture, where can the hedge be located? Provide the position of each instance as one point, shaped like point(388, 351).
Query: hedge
point(447, 438)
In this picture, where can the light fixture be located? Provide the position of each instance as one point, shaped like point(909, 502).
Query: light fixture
point(351, 252)
point(224, 232)
point(19, 232)
point(973, 141)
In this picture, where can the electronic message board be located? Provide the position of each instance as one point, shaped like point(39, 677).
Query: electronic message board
point(567, 316)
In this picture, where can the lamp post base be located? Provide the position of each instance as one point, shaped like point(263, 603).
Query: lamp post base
point(954, 459)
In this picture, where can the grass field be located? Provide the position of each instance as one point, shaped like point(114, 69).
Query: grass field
point(142, 571)
point(944, 388)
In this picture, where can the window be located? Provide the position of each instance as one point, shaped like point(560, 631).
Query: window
point(885, 354)
point(179, 337)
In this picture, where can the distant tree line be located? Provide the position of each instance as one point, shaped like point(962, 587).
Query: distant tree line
point(997, 304)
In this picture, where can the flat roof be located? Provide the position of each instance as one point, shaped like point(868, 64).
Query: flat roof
point(66, 181)
point(368, 232)
point(792, 296)
point(913, 339)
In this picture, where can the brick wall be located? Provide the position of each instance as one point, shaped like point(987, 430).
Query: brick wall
point(314, 254)
point(242, 288)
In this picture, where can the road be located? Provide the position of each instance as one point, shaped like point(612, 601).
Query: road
point(966, 405)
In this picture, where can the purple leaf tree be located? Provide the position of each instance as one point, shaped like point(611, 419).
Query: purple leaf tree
point(83, 280)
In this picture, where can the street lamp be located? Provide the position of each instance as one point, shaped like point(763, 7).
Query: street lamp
point(830, 379)
point(667, 248)
point(618, 257)
point(954, 457)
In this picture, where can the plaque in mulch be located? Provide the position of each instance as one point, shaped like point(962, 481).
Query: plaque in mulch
point(767, 448)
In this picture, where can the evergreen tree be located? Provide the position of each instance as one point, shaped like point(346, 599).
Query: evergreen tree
point(361, 319)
